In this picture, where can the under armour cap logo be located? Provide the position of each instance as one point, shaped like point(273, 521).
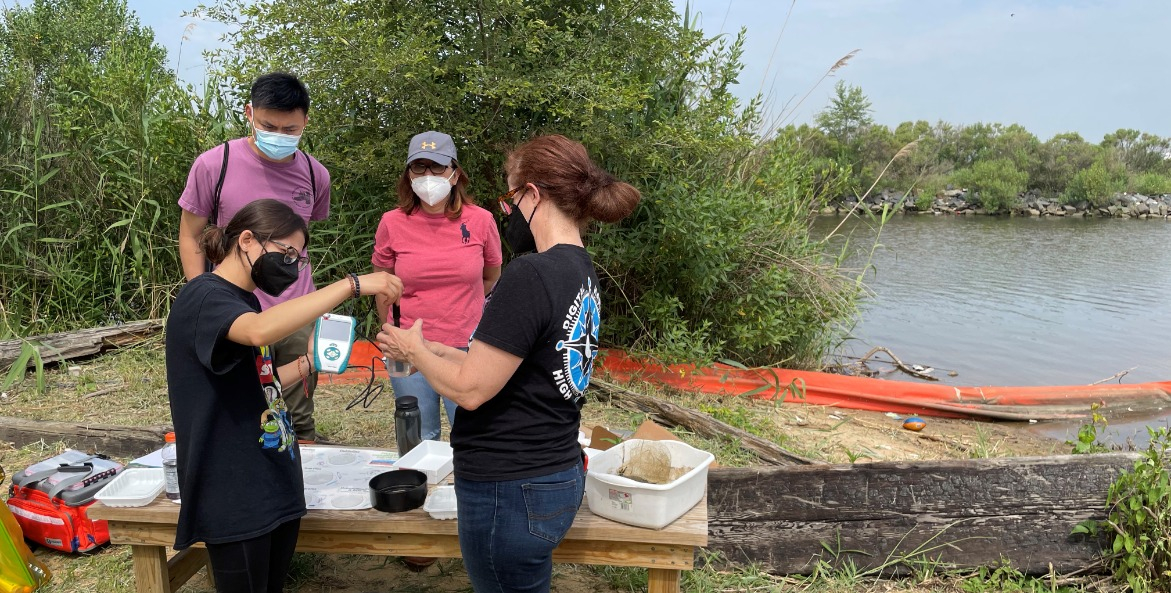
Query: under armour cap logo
point(431, 147)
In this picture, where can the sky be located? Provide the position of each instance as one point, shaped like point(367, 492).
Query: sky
point(1086, 66)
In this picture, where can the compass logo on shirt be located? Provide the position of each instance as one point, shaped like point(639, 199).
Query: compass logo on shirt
point(580, 346)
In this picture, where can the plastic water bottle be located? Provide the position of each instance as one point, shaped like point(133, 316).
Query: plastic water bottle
point(408, 424)
point(171, 467)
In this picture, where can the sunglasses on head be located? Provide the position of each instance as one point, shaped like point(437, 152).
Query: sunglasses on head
point(505, 204)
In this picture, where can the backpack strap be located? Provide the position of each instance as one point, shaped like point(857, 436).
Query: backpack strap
point(215, 202)
point(312, 177)
point(219, 187)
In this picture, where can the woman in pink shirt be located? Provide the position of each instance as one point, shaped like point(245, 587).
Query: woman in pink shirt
point(446, 250)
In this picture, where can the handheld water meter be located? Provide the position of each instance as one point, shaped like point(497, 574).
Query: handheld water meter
point(333, 340)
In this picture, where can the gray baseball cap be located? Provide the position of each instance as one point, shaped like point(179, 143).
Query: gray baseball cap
point(432, 145)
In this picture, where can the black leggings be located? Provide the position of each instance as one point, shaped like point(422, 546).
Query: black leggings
point(257, 565)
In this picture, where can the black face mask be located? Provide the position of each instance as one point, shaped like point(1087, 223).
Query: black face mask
point(517, 234)
point(271, 274)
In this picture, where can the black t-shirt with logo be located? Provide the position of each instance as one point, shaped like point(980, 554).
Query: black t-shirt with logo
point(544, 309)
point(237, 479)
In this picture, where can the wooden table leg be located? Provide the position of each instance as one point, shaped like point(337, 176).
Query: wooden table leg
point(150, 569)
point(185, 564)
point(663, 580)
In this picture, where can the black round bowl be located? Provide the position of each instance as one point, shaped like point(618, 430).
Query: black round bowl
point(399, 490)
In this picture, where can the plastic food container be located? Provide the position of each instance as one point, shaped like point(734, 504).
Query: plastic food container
point(641, 504)
point(134, 487)
point(433, 458)
point(441, 503)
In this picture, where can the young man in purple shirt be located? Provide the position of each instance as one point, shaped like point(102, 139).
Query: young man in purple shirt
point(265, 164)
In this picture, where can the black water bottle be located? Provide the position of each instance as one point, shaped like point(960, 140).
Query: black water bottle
point(408, 425)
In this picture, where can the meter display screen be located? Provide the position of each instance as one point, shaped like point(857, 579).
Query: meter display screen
point(337, 331)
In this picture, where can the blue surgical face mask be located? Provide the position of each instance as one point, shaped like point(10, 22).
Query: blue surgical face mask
point(276, 146)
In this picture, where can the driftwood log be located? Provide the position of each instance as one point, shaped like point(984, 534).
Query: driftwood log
point(110, 439)
point(87, 342)
point(961, 513)
point(700, 423)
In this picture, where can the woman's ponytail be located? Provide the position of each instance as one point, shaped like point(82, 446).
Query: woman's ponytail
point(611, 200)
point(214, 244)
point(579, 187)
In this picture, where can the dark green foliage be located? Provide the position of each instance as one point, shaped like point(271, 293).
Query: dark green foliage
point(716, 262)
point(997, 182)
point(1097, 184)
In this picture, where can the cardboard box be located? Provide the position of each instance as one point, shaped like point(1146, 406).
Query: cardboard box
point(602, 439)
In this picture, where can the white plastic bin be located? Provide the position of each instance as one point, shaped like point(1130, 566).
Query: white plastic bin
point(433, 458)
point(637, 503)
point(134, 487)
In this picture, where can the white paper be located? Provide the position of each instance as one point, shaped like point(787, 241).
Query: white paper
point(339, 478)
point(154, 459)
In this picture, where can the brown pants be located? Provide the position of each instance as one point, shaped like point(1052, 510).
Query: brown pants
point(298, 398)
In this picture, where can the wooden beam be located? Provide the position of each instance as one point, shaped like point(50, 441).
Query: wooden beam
point(151, 574)
point(109, 439)
point(962, 513)
point(87, 342)
point(184, 565)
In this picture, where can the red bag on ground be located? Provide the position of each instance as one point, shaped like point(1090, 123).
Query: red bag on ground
point(49, 500)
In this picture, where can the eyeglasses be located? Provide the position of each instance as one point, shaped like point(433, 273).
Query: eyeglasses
point(505, 205)
point(291, 255)
point(421, 168)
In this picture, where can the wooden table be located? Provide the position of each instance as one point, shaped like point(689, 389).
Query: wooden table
point(150, 530)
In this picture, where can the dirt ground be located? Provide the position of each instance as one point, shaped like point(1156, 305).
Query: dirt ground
point(846, 436)
point(131, 390)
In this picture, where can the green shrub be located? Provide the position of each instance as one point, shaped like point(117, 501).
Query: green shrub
point(715, 262)
point(1138, 523)
point(1096, 184)
point(998, 182)
point(1151, 184)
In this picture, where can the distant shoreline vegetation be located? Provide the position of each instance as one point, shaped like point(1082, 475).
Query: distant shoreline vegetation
point(965, 202)
point(1003, 169)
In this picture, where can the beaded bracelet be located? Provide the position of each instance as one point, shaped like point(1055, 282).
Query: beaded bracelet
point(355, 287)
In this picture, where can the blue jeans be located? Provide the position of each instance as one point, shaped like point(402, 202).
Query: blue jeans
point(416, 385)
point(507, 530)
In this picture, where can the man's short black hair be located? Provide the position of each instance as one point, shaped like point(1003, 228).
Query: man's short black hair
point(280, 91)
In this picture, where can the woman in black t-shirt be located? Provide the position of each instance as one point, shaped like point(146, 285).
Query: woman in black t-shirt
point(519, 478)
point(239, 471)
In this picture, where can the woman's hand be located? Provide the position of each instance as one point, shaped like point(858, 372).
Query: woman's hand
point(401, 344)
point(383, 285)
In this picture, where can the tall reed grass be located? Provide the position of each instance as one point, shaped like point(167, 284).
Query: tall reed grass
point(96, 138)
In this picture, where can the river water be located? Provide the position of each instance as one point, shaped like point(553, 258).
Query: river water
point(1016, 301)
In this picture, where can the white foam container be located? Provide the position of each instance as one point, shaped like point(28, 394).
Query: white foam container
point(441, 503)
point(433, 458)
point(638, 503)
point(134, 487)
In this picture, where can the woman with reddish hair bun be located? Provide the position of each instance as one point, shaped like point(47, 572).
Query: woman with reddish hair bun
point(519, 474)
